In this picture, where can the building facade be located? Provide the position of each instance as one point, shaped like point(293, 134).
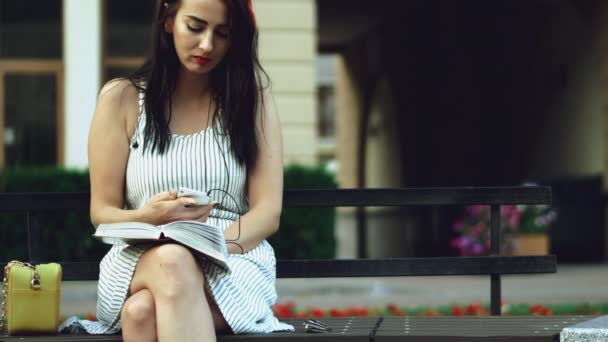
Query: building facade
point(56, 55)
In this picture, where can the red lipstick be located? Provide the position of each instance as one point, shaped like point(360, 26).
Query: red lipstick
point(200, 60)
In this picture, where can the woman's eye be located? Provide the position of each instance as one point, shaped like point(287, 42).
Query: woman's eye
point(194, 29)
point(221, 34)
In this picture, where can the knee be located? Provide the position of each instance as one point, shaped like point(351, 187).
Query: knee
point(175, 259)
point(179, 268)
point(139, 309)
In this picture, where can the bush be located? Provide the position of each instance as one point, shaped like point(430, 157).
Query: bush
point(304, 232)
point(64, 235)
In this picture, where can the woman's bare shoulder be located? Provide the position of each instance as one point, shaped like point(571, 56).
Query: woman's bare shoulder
point(120, 98)
point(119, 92)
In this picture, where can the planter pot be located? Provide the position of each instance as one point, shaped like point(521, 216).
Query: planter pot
point(531, 244)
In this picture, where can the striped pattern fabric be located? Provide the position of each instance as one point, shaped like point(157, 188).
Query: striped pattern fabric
point(201, 161)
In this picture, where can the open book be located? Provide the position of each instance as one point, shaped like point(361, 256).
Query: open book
point(205, 238)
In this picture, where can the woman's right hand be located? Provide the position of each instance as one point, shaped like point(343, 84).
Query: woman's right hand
point(166, 207)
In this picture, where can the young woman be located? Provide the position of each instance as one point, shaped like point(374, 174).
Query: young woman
point(197, 115)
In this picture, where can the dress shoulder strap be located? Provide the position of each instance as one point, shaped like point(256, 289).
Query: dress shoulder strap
point(141, 119)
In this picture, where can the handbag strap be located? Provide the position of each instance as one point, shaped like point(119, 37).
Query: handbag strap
point(35, 284)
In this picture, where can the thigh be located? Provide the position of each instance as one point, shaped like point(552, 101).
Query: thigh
point(219, 323)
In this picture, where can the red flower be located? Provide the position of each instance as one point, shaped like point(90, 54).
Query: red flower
point(283, 310)
point(392, 307)
point(430, 312)
point(333, 312)
point(301, 315)
point(355, 311)
point(473, 309)
point(316, 312)
point(536, 309)
point(399, 313)
point(457, 311)
point(539, 310)
point(90, 317)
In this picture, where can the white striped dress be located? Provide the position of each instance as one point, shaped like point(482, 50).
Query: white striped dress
point(201, 161)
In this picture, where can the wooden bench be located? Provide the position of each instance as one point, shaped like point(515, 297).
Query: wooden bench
point(364, 328)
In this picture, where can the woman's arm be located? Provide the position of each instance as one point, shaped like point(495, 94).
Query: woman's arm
point(112, 126)
point(265, 188)
point(108, 152)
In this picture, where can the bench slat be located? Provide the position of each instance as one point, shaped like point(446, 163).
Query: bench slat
point(322, 198)
point(375, 267)
point(415, 266)
point(416, 196)
point(461, 329)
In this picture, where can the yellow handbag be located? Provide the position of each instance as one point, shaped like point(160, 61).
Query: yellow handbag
point(31, 298)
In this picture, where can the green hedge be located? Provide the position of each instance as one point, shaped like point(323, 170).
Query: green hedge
point(304, 233)
point(63, 235)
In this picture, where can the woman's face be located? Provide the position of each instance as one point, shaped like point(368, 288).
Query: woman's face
point(201, 34)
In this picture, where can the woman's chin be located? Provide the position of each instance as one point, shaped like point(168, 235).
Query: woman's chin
point(197, 69)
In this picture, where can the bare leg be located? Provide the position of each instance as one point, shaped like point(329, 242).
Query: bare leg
point(172, 275)
point(219, 322)
point(138, 317)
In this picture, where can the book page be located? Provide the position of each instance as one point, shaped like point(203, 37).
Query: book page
point(205, 238)
point(127, 231)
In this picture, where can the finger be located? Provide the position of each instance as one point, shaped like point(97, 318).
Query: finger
point(186, 201)
point(206, 207)
point(209, 206)
point(172, 194)
point(195, 212)
point(161, 196)
point(203, 218)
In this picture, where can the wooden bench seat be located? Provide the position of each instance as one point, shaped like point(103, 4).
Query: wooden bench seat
point(394, 329)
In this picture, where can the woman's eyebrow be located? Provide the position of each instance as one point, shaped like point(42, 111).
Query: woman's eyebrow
point(203, 21)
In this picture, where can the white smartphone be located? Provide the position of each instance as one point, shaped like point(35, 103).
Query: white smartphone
point(200, 197)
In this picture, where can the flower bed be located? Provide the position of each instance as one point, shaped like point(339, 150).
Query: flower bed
point(473, 229)
point(289, 309)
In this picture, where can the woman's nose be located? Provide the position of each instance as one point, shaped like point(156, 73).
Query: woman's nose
point(206, 43)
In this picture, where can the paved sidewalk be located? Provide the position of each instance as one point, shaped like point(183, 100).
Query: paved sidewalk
point(571, 284)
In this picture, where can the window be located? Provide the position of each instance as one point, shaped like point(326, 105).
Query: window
point(326, 109)
point(127, 35)
point(30, 126)
point(30, 31)
point(31, 83)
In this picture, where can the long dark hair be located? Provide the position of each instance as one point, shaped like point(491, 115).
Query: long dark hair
point(236, 82)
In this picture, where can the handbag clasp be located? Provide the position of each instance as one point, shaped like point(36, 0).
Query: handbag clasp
point(35, 284)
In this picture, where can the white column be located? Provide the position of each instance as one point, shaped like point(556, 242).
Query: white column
point(82, 74)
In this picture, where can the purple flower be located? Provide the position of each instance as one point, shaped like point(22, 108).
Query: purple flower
point(515, 219)
point(477, 230)
point(473, 227)
point(477, 249)
point(476, 210)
